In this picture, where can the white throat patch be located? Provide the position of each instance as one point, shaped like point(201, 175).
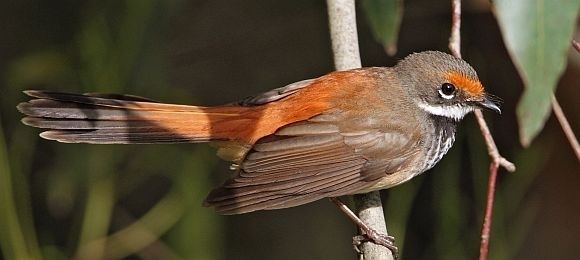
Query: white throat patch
point(455, 112)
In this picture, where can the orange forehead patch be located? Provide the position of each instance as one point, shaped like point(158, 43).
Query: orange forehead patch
point(471, 86)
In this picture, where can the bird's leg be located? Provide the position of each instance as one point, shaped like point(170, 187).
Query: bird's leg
point(370, 235)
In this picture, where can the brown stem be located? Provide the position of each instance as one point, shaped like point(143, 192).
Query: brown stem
point(576, 45)
point(486, 227)
point(492, 150)
point(566, 126)
point(496, 158)
point(455, 38)
point(455, 47)
point(559, 113)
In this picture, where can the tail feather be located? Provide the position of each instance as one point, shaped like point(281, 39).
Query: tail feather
point(72, 124)
point(74, 118)
point(129, 111)
point(100, 100)
point(120, 119)
point(120, 137)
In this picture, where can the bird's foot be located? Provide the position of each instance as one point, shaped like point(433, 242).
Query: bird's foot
point(370, 235)
point(377, 238)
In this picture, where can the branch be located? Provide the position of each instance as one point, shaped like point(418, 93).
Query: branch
point(492, 150)
point(486, 226)
point(343, 34)
point(455, 38)
point(496, 158)
point(576, 45)
point(566, 126)
point(559, 113)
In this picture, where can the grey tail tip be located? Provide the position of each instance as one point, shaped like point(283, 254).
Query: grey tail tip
point(31, 92)
point(54, 135)
point(26, 120)
point(21, 107)
point(47, 135)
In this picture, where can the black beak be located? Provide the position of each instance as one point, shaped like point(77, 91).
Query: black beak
point(488, 104)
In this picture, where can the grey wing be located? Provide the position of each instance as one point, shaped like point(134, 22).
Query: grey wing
point(275, 94)
point(308, 161)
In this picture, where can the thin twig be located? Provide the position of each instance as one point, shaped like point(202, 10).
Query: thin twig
point(492, 150)
point(496, 158)
point(486, 226)
point(343, 33)
point(576, 45)
point(566, 126)
point(559, 113)
point(455, 38)
point(455, 47)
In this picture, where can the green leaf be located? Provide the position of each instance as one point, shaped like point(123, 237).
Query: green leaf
point(384, 17)
point(537, 34)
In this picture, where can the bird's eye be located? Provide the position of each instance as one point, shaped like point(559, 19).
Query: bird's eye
point(447, 91)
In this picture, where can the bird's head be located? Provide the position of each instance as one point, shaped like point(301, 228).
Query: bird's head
point(443, 85)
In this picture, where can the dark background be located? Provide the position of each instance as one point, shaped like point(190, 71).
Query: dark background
point(213, 52)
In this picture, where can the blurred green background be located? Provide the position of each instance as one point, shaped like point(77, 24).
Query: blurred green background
point(144, 202)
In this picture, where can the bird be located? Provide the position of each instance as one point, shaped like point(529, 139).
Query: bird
point(343, 133)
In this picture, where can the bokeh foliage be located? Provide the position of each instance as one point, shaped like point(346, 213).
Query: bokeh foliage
point(537, 34)
point(82, 185)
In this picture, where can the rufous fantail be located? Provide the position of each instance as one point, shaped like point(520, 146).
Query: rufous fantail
point(344, 133)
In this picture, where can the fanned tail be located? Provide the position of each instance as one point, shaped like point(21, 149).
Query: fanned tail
point(119, 119)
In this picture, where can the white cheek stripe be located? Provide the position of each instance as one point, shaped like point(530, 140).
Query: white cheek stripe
point(455, 112)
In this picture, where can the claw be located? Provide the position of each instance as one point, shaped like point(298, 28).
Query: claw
point(383, 240)
point(376, 238)
point(370, 235)
point(357, 242)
